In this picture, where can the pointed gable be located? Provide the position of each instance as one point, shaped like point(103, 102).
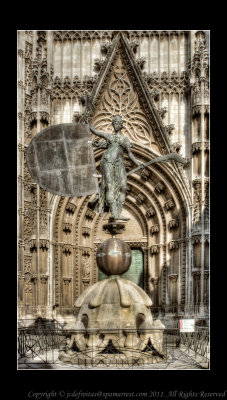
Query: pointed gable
point(121, 89)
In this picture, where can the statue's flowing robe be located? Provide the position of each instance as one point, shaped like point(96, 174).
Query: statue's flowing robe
point(117, 174)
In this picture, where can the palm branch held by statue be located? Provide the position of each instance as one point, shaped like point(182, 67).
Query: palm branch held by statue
point(114, 178)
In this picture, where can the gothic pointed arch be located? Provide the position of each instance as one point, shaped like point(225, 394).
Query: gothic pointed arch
point(121, 89)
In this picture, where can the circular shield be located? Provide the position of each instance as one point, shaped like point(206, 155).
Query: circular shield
point(60, 160)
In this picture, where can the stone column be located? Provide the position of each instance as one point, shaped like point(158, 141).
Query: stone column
point(196, 292)
point(154, 281)
point(173, 291)
point(199, 84)
point(154, 251)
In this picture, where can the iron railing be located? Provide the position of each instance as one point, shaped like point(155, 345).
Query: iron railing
point(90, 348)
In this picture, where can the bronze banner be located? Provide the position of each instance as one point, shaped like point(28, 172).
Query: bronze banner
point(60, 160)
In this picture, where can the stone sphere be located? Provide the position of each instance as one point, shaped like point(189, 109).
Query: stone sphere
point(114, 257)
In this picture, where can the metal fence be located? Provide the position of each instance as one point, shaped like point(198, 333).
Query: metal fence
point(49, 346)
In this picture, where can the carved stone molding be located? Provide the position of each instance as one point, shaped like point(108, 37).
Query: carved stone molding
point(154, 229)
point(99, 63)
point(196, 110)
point(73, 89)
point(162, 111)
point(169, 204)
point(206, 109)
point(196, 182)
point(196, 239)
point(33, 116)
point(173, 277)
point(44, 278)
point(70, 208)
point(86, 252)
point(196, 275)
point(150, 212)
point(141, 62)
point(145, 174)
point(155, 280)
point(155, 94)
point(173, 223)
point(154, 249)
point(82, 35)
point(140, 198)
point(169, 128)
point(32, 244)
point(207, 238)
point(20, 53)
point(90, 214)
point(66, 280)
point(28, 265)
point(174, 244)
point(21, 85)
point(105, 47)
point(28, 287)
point(45, 116)
point(66, 249)
point(164, 84)
point(44, 244)
point(206, 146)
point(197, 197)
point(196, 146)
point(160, 187)
point(21, 147)
point(134, 44)
point(20, 211)
point(67, 228)
point(86, 231)
point(20, 179)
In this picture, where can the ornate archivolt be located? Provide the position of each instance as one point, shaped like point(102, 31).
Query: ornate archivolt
point(78, 232)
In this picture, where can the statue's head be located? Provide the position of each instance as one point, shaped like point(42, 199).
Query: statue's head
point(117, 122)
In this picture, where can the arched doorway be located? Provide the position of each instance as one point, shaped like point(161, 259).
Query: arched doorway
point(156, 206)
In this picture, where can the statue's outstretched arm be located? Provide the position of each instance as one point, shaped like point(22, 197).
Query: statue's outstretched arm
point(101, 134)
point(132, 157)
point(167, 157)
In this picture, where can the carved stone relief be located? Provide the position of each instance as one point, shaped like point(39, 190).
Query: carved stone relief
point(121, 98)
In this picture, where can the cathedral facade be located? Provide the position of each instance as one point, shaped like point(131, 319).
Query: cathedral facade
point(158, 81)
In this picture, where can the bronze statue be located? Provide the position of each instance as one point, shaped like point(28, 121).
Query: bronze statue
point(61, 160)
point(114, 180)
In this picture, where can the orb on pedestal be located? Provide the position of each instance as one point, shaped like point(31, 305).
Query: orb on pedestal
point(114, 257)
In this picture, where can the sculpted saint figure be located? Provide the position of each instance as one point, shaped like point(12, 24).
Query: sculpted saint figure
point(114, 180)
